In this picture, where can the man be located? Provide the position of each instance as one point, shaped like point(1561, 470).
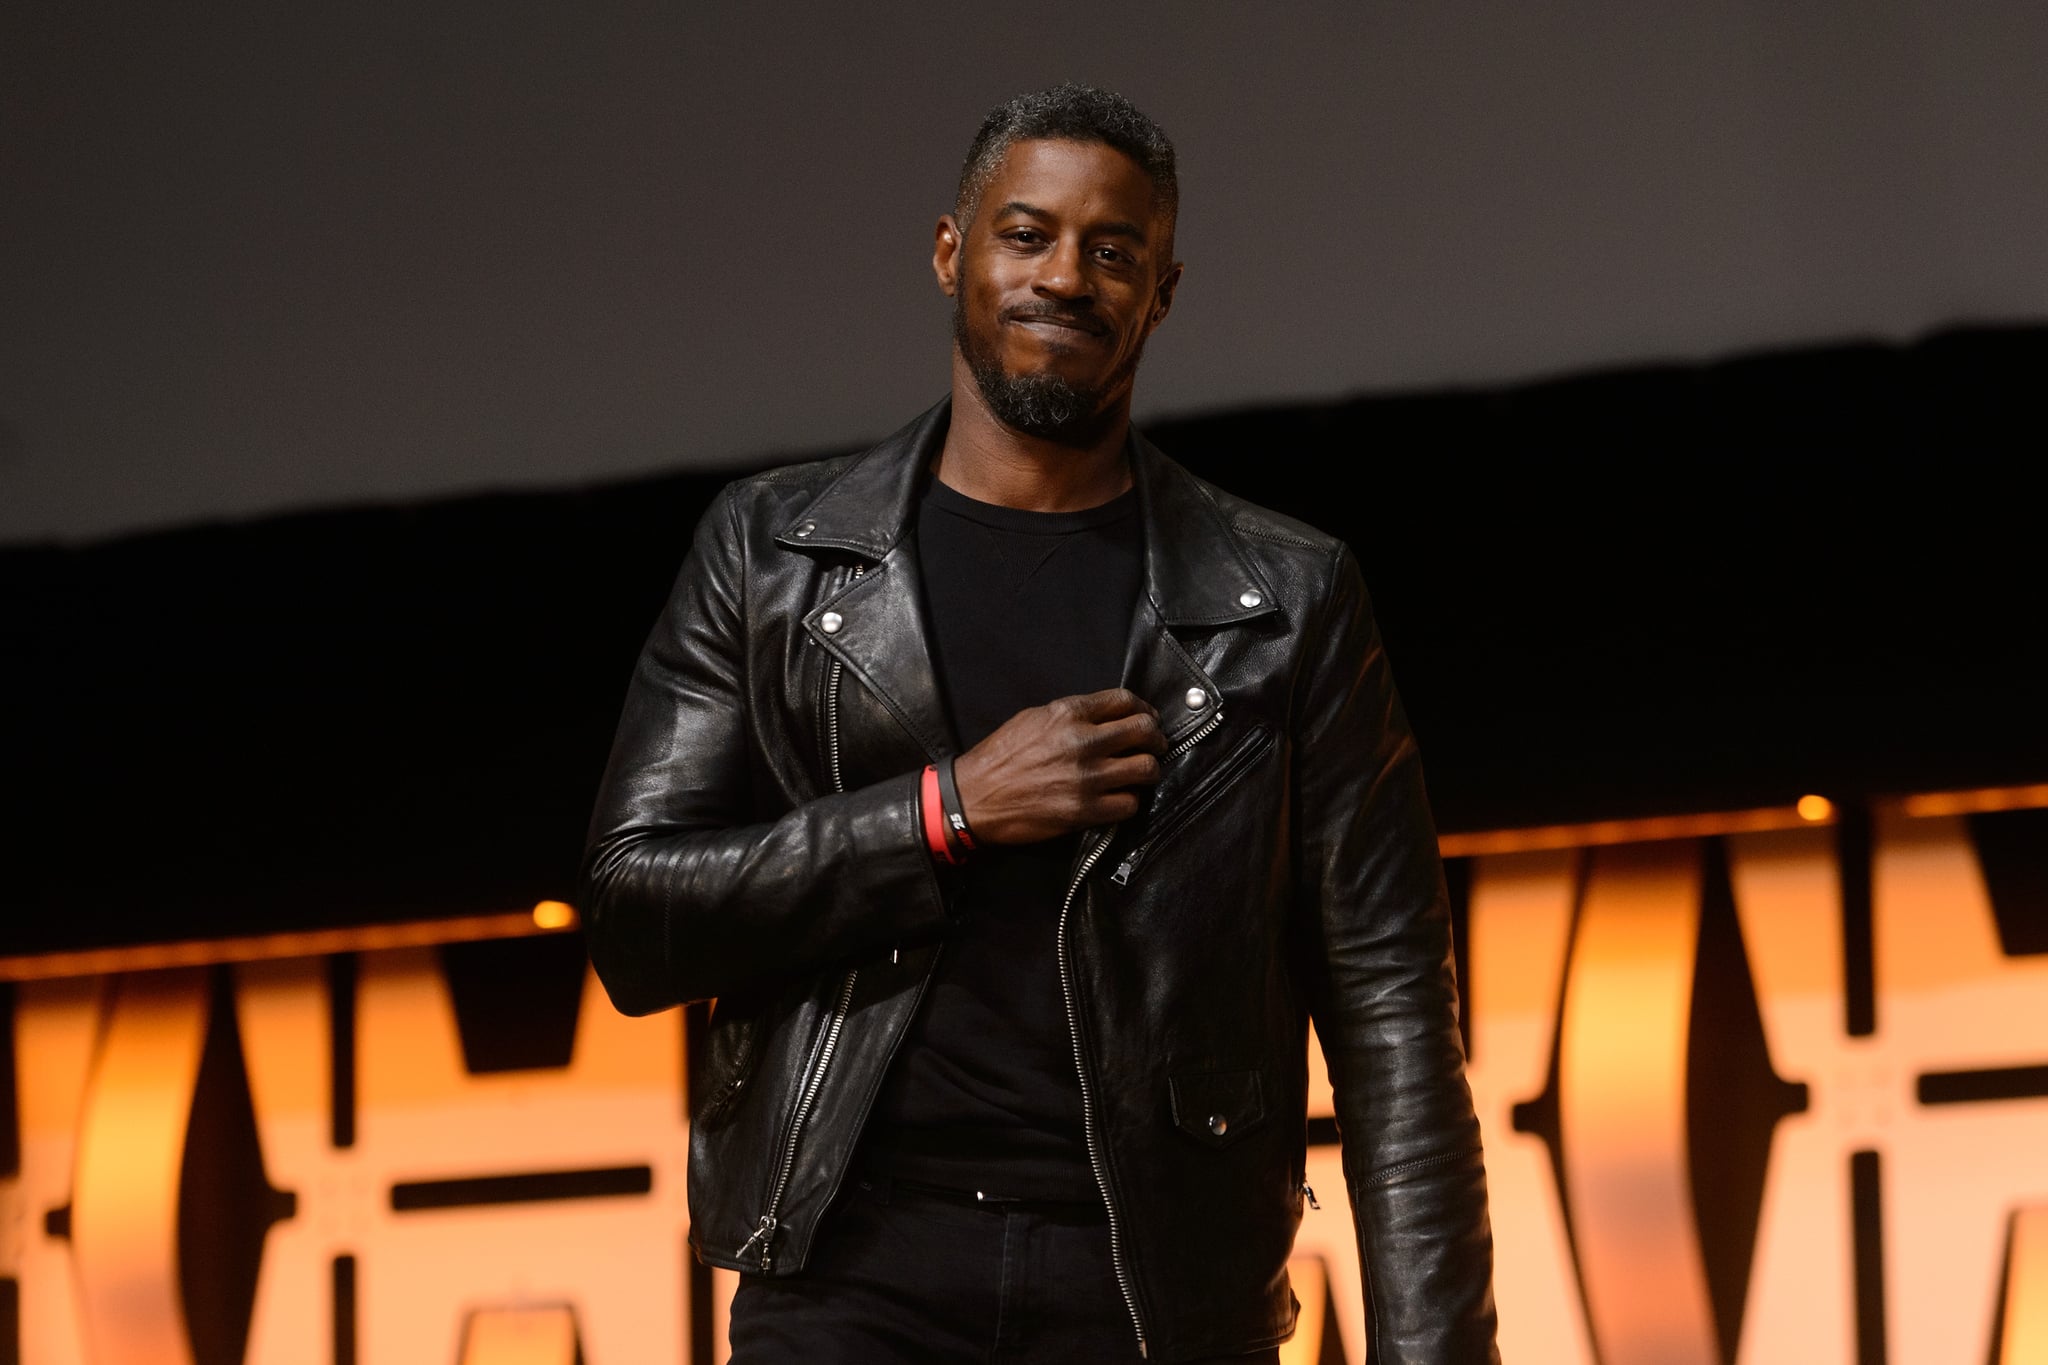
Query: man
point(1019, 798)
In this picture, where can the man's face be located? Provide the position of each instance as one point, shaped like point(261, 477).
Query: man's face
point(1057, 282)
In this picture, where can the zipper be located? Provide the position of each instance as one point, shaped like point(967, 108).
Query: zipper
point(1310, 1191)
point(1240, 758)
point(832, 719)
point(1116, 1245)
point(1208, 729)
point(764, 1231)
point(1116, 1239)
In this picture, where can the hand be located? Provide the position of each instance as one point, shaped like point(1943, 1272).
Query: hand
point(1061, 767)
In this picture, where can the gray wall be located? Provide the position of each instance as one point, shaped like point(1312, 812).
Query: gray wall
point(257, 257)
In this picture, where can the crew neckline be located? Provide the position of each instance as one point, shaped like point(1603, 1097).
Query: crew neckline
point(946, 498)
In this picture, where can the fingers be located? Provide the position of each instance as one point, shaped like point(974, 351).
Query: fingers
point(1069, 764)
point(1121, 721)
point(1140, 733)
point(1133, 770)
point(1111, 704)
point(1115, 807)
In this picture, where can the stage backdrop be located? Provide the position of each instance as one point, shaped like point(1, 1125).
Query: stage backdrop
point(1760, 1086)
point(1757, 1087)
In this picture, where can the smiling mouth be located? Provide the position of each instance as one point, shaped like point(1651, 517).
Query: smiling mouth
point(1062, 324)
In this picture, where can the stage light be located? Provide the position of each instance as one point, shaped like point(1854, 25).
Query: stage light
point(553, 915)
point(1814, 808)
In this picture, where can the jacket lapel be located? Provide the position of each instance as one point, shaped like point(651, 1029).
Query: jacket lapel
point(882, 638)
point(875, 624)
point(1196, 577)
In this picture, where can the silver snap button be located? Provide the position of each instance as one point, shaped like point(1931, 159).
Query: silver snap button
point(1249, 598)
point(1196, 699)
point(1218, 1125)
point(806, 529)
point(830, 622)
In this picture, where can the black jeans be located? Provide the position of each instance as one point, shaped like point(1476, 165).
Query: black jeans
point(905, 1274)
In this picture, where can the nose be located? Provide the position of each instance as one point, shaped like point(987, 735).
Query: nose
point(1062, 273)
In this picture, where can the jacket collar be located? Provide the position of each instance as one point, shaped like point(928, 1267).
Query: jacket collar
point(873, 503)
point(1196, 572)
point(1196, 575)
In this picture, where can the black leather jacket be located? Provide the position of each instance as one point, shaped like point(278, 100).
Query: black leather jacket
point(757, 840)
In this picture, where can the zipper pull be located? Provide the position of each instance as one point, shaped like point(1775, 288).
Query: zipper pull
point(1122, 875)
point(765, 1235)
point(1310, 1191)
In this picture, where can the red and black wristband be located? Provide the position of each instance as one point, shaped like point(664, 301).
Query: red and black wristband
point(931, 813)
point(958, 835)
point(944, 819)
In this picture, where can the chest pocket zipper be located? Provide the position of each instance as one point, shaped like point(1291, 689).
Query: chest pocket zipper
point(1234, 765)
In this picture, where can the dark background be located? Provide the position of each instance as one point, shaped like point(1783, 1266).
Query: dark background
point(1626, 594)
point(256, 258)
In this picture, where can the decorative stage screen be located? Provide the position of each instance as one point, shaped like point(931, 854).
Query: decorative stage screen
point(1762, 1087)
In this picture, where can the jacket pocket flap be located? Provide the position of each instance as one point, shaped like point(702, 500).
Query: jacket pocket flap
point(1219, 1107)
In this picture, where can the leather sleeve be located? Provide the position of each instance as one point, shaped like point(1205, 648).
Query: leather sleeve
point(687, 894)
point(1384, 998)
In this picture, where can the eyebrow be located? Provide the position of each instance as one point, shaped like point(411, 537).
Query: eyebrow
point(1118, 228)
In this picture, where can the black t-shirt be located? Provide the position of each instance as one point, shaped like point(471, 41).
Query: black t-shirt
point(1023, 607)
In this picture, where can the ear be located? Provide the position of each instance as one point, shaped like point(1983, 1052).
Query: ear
point(948, 242)
point(1162, 297)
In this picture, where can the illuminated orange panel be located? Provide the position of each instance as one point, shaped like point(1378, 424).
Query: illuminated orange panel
point(724, 1284)
point(1520, 930)
point(124, 1221)
point(520, 1336)
point(1948, 999)
point(618, 1262)
point(1801, 1300)
point(1312, 1287)
point(1621, 1082)
point(2026, 1291)
point(56, 1028)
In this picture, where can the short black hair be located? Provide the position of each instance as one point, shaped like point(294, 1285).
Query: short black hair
point(1074, 113)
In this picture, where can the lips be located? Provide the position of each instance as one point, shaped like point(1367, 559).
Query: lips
point(1060, 322)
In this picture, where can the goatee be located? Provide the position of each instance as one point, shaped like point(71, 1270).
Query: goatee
point(1047, 406)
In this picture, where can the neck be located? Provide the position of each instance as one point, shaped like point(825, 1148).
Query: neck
point(990, 462)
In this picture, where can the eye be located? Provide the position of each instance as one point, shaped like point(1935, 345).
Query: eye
point(1024, 236)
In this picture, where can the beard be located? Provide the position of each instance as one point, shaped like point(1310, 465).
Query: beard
point(1048, 406)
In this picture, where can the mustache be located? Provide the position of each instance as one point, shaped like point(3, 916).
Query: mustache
point(1072, 315)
